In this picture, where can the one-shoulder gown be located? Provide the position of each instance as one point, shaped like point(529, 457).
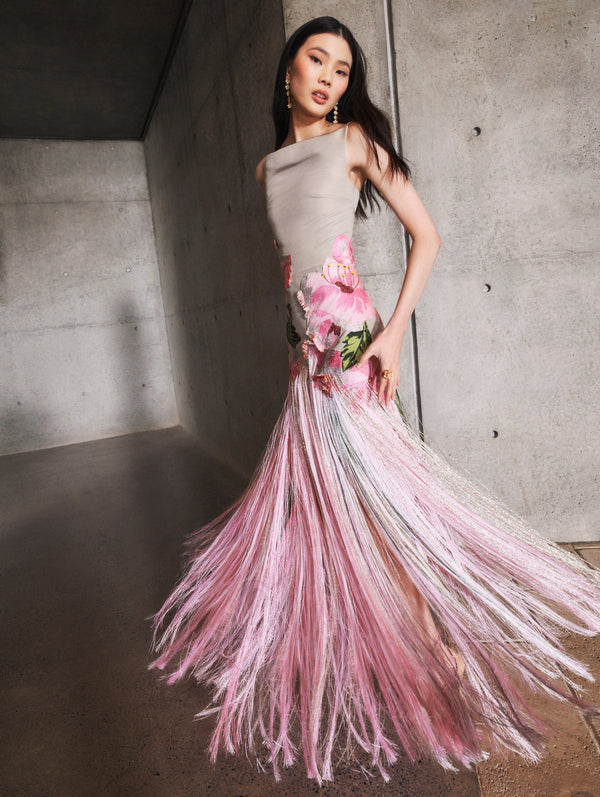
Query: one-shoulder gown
point(294, 606)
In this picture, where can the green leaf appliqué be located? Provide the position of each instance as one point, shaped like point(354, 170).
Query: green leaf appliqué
point(354, 346)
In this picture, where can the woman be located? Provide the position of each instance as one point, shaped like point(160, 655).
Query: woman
point(361, 592)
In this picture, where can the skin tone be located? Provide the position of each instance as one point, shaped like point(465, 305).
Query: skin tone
point(318, 77)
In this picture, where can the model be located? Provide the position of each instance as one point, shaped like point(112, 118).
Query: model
point(361, 592)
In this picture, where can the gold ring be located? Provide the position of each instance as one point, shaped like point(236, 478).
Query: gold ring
point(387, 374)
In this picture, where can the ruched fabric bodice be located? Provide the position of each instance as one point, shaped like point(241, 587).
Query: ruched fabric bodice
point(310, 200)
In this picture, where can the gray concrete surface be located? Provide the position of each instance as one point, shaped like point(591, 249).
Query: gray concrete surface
point(220, 277)
point(73, 70)
point(90, 545)
point(83, 351)
point(517, 207)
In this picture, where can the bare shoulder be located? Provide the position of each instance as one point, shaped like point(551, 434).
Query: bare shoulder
point(361, 154)
point(359, 151)
point(357, 144)
point(259, 173)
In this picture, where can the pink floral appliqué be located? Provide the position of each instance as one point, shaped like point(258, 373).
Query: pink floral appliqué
point(342, 250)
point(337, 293)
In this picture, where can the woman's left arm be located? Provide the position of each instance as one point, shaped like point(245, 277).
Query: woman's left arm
point(401, 196)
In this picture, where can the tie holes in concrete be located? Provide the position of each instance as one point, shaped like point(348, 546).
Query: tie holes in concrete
point(487, 287)
point(476, 131)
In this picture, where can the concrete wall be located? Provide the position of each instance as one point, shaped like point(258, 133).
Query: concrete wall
point(83, 351)
point(508, 375)
point(517, 207)
point(219, 272)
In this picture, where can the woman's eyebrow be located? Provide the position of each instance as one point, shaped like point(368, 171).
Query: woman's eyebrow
point(321, 50)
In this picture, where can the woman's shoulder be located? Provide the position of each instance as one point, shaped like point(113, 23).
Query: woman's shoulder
point(358, 141)
point(363, 152)
point(356, 135)
point(358, 145)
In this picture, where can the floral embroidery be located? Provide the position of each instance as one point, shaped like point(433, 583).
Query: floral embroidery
point(340, 321)
point(329, 333)
point(342, 250)
point(303, 304)
point(338, 292)
point(325, 370)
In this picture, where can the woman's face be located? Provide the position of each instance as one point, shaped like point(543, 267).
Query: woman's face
point(319, 74)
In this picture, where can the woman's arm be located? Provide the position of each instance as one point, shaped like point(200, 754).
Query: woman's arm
point(404, 201)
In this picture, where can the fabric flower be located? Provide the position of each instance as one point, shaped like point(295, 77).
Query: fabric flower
point(337, 293)
point(342, 250)
point(329, 333)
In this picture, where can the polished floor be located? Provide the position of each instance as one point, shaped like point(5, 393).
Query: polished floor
point(90, 544)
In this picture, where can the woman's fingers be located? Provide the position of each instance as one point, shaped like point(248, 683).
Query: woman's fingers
point(366, 356)
point(387, 387)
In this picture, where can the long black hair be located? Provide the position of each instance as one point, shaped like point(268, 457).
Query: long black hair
point(354, 105)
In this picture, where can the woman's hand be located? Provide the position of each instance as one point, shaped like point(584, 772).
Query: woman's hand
point(386, 350)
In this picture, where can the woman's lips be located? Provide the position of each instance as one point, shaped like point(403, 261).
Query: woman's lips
point(320, 99)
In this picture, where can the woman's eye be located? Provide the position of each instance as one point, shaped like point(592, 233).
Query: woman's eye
point(315, 59)
point(342, 73)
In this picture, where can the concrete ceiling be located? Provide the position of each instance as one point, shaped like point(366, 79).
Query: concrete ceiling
point(84, 69)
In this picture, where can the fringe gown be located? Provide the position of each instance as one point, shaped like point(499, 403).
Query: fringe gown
point(293, 606)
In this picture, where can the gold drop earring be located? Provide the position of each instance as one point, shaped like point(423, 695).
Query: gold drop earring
point(287, 91)
point(335, 112)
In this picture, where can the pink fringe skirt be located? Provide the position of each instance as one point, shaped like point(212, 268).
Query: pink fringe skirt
point(293, 606)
